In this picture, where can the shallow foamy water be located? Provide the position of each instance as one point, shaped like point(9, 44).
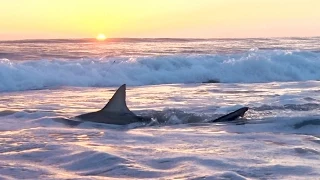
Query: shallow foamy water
point(279, 140)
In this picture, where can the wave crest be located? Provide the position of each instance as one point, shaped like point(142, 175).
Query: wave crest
point(251, 67)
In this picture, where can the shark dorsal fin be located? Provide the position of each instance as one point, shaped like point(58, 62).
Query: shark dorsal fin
point(117, 103)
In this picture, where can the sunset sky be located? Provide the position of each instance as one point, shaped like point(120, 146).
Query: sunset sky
point(39, 19)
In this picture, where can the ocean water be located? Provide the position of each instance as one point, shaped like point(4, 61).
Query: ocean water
point(44, 80)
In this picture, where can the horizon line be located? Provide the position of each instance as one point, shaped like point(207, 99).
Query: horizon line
point(195, 38)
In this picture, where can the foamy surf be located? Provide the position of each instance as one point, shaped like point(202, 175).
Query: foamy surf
point(251, 67)
point(278, 140)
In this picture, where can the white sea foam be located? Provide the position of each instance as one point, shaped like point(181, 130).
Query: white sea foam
point(280, 139)
point(250, 67)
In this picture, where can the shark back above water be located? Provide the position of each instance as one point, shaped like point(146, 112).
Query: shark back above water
point(116, 112)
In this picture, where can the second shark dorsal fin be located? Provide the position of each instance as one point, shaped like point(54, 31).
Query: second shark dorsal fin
point(118, 102)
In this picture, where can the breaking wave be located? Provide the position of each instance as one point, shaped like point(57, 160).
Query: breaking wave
point(250, 67)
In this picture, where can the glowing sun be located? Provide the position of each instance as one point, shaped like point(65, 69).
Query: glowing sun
point(101, 37)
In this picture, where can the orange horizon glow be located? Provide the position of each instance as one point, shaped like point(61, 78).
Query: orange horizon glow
point(46, 19)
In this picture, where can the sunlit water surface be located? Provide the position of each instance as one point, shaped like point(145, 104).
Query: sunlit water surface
point(279, 139)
